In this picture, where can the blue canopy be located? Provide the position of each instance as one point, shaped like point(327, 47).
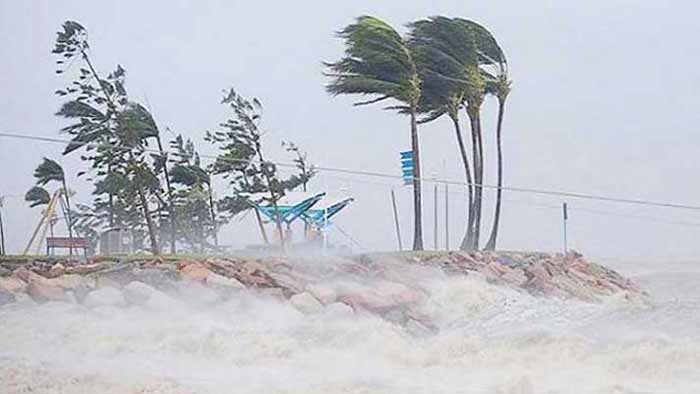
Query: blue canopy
point(321, 216)
point(289, 212)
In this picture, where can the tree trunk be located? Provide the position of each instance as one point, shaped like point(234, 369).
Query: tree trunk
point(477, 152)
point(491, 244)
point(2, 233)
point(171, 207)
point(417, 207)
point(213, 216)
point(479, 193)
point(111, 200)
point(273, 197)
point(149, 222)
point(466, 241)
point(261, 226)
point(69, 215)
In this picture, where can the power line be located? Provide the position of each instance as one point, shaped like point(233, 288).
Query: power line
point(559, 193)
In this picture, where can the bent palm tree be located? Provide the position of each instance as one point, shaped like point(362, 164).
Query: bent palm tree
point(486, 54)
point(379, 62)
point(438, 52)
point(501, 88)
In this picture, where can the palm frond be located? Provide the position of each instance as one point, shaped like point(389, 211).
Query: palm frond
point(48, 170)
point(36, 196)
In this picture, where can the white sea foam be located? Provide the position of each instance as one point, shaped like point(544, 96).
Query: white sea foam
point(487, 339)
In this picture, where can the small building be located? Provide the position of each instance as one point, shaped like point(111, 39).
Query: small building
point(116, 240)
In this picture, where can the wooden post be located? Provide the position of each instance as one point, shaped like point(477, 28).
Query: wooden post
point(396, 219)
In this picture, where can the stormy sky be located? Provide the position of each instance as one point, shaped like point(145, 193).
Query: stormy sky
point(604, 102)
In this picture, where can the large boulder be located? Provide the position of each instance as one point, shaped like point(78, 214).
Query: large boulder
point(194, 271)
point(6, 297)
point(220, 281)
point(27, 276)
point(56, 270)
point(139, 293)
point(12, 284)
point(72, 282)
point(338, 309)
point(4, 271)
point(306, 303)
point(324, 293)
point(44, 291)
point(107, 296)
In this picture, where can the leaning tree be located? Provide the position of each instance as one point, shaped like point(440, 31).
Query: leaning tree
point(379, 62)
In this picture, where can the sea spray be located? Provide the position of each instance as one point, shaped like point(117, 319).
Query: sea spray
point(479, 337)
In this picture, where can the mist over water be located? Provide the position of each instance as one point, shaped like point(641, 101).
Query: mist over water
point(484, 338)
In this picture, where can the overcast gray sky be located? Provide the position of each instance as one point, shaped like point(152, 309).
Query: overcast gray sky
point(604, 101)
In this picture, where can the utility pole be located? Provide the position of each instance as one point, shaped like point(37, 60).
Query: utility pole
point(447, 218)
point(435, 215)
point(565, 211)
point(2, 231)
point(396, 219)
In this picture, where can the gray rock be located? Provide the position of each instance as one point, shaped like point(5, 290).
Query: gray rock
point(217, 280)
point(107, 296)
point(338, 309)
point(4, 271)
point(306, 303)
point(6, 297)
point(138, 293)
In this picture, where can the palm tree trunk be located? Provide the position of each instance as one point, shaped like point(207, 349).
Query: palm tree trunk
point(475, 124)
point(491, 244)
point(417, 207)
point(467, 170)
point(171, 208)
point(479, 198)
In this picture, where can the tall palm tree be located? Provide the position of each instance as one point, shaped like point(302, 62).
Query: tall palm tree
point(501, 88)
point(494, 69)
point(439, 49)
point(379, 62)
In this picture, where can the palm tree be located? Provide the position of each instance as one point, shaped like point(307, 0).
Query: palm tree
point(50, 171)
point(379, 62)
point(37, 196)
point(439, 49)
point(501, 89)
point(494, 69)
point(132, 134)
point(142, 119)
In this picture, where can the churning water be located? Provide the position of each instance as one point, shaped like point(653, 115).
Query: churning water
point(488, 339)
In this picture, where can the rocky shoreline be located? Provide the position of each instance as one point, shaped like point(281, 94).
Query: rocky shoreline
point(359, 284)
